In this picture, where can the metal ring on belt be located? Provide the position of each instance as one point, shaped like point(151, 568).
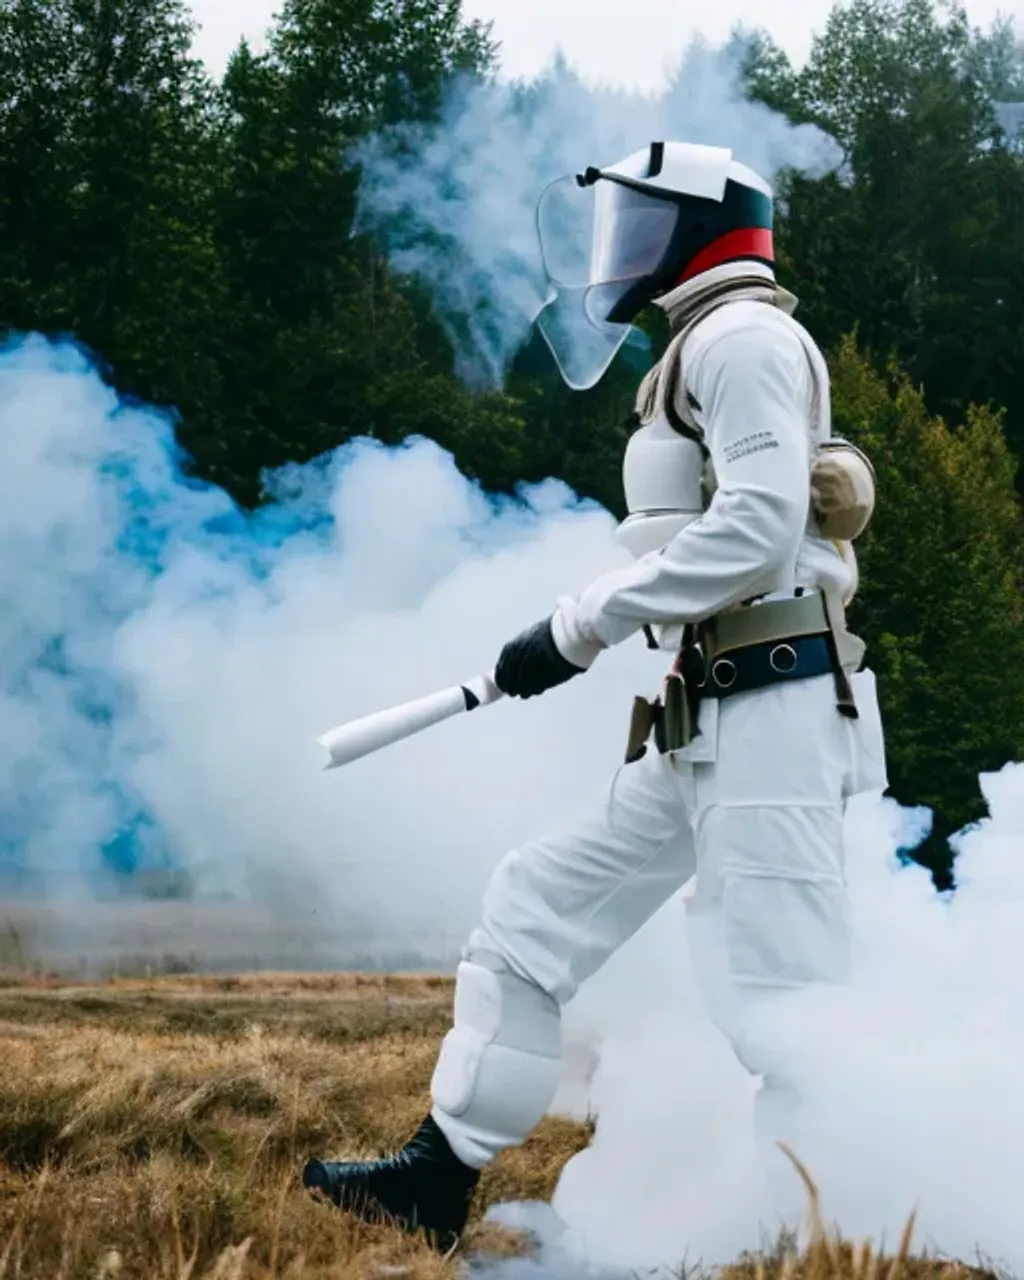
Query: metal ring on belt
point(758, 665)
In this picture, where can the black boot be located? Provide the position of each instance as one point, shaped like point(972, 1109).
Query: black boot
point(425, 1186)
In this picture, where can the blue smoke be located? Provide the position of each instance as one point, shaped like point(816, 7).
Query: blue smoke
point(91, 519)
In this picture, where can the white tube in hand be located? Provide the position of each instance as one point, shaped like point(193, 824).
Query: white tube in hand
point(380, 729)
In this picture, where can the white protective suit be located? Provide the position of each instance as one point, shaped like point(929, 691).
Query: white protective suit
point(753, 808)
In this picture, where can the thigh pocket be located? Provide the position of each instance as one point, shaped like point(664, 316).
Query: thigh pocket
point(785, 931)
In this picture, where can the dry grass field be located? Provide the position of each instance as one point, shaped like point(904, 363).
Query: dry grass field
point(156, 1129)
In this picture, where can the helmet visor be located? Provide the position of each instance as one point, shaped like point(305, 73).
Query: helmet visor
point(599, 244)
point(604, 233)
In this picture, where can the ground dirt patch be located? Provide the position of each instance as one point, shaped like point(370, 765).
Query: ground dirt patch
point(156, 1129)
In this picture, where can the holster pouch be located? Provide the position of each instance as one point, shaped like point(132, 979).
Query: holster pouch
point(678, 720)
point(672, 718)
point(641, 722)
point(670, 722)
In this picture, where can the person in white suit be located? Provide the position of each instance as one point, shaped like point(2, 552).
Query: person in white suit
point(742, 511)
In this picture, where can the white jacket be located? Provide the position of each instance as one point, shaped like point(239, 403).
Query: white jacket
point(748, 365)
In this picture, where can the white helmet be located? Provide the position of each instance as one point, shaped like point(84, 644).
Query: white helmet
point(614, 239)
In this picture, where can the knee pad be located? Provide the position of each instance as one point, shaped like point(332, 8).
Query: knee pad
point(499, 1066)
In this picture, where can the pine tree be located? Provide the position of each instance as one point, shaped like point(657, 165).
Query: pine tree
point(940, 602)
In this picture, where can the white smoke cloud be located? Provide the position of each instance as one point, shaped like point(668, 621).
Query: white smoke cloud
point(910, 1076)
point(455, 204)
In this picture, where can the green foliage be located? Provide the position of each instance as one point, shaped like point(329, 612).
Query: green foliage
point(108, 159)
point(940, 601)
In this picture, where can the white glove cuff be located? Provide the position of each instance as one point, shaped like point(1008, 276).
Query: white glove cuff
point(570, 641)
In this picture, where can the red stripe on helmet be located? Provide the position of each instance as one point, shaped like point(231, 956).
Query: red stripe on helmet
point(748, 242)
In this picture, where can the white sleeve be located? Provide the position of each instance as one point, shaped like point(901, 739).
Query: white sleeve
point(753, 384)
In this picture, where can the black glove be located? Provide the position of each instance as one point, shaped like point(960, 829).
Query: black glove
point(531, 663)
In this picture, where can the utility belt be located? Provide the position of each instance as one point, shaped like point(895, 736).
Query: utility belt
point(745, 649)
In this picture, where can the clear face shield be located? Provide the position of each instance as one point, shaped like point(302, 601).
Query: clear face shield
point(599, 241)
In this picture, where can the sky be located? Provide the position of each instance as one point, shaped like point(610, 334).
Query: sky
point(597, 36)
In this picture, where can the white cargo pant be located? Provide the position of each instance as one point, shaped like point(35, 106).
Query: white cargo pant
point(754, 810)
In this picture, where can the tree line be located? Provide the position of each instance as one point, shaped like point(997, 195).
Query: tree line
point(196, 235)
